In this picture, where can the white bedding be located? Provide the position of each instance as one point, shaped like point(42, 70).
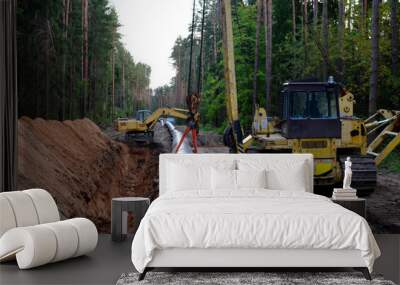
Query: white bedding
point(253, 218)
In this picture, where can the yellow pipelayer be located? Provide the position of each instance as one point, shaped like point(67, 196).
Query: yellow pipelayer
point(316, 118)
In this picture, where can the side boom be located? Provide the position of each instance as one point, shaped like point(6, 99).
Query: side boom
point(388, 138)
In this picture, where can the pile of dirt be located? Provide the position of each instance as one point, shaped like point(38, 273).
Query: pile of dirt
point(83, 168)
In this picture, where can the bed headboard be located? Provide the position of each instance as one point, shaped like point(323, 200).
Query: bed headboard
point(209, 159)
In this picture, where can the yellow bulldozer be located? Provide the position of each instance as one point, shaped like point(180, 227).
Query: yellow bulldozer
point(317, 118)
point(141, 128)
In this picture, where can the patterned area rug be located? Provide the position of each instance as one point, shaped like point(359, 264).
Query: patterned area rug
point(230, 278)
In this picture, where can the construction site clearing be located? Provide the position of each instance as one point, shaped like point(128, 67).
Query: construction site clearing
point(83, 167)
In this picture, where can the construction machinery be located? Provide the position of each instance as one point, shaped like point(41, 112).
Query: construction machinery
point(142, 127)
point(315, 117)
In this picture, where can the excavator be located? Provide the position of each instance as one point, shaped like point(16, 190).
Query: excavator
point(315, 117)
point(141, 129)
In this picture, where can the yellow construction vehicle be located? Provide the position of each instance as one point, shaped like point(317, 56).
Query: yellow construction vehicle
point(142, 127)
point(317, 118)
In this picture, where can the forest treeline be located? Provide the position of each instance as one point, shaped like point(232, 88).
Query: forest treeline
point(356, 41)
point(72, 63)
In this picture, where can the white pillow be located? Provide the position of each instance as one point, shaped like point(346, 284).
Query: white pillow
point(286, 174)
point(182, 177)
point(289, 177)
point(251, 178)
point(223, 179)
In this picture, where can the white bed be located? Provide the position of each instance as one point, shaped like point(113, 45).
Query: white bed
point(217, 224)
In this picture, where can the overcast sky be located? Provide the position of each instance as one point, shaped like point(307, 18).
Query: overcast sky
point(149, 30)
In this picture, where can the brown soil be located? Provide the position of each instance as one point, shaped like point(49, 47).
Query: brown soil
point(83, 168)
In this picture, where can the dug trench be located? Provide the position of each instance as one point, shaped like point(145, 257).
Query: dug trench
point(83, 168)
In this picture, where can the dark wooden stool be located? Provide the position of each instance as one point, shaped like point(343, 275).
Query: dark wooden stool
point(120, 207)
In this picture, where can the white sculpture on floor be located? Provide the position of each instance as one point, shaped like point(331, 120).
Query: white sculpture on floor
point(347, 174)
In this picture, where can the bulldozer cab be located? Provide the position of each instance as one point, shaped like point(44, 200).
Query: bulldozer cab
point(310, 110)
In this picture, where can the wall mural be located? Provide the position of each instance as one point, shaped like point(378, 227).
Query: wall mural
point(81, 89)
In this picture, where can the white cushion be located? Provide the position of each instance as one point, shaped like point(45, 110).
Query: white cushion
point(40, 244)
point(23, 208)
point(67, 240)
point(7, 218)
point(87, 234)
point(223, 179)
point(229, 161)
point(251, 178)
point(34, 244)
point(287, 175)
point(45, 205)
point(279, 179)
point(187, 172)
point(186, 177)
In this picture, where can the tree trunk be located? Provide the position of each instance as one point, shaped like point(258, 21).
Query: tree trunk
point(294, 19)
point(113, 77)
point(123, 86)
point(268, 51)
point(256, 54)
point(341, 40)
point(374, 57)
point(71, 91)
point(325, 37)
point(350, 15)
point(178, 79)
point(66, 4)
point(315, 14)
point(85, 61)
point(47, 67)
point(305, 31)
point(395, 37)
point(214, 27)
point(364, 12)
point(93, 83)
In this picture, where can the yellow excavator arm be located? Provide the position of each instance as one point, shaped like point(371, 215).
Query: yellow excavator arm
point(165, 112)
point(125, 125)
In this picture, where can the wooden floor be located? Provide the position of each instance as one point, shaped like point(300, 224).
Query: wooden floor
point(110, 260)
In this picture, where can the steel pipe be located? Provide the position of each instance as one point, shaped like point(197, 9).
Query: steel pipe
point(176, 137)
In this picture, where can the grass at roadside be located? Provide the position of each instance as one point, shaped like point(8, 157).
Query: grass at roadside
point(392, 162)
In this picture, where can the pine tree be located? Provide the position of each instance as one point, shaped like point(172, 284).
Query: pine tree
point(395, 37)
point(374, 57)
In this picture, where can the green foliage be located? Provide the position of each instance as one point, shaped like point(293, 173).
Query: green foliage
point(50, 63)
point(392, 162)
point(288, 58)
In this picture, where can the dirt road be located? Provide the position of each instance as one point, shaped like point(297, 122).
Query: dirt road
point(383, 206)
